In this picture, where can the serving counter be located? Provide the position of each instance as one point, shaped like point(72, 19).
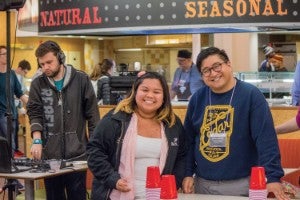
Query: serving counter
point(280, 114)
point(209, 197)
point(289, 143)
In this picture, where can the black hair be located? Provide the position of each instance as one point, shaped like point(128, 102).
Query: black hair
point(24, 64)
point(164, 113)
point(209, 52)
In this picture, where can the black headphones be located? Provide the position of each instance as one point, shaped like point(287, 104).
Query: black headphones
point(54, 46)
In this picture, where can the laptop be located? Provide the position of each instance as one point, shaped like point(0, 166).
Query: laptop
point(6, 162)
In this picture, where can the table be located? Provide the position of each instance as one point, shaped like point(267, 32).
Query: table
point(209, 197)
point(30, 177)
point(221, 197)
point(290, 170)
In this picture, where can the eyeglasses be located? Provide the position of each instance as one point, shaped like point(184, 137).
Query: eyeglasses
point(217, 67)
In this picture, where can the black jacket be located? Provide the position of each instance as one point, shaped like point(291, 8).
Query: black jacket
point(62, 116)
point(103, 90)
point(104, 148)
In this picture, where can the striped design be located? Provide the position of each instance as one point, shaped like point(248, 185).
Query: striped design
point(258, 194)
point(152, 193)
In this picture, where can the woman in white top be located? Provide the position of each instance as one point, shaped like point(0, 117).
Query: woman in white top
point(142, 131)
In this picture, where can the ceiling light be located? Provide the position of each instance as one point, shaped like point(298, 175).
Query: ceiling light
point(132, 49)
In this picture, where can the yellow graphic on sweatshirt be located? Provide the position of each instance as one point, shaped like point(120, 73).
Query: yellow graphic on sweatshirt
point(215, 132)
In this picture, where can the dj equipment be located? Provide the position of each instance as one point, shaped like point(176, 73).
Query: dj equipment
point(5, 160)
point(31, 164)
point(11, 4)
point(24, 161)
point(7, 164)
point(120, 86)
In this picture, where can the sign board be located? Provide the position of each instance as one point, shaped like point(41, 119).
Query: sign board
point(142, 17)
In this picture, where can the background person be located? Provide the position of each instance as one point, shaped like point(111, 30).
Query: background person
point(23, 68)
point(296, 86)
point(230, 129)
point(142, 131)
point(61, 106)
point(277, 63)
point(186, 80)
point(100, 80)
point(265, 65)
point(16, 90)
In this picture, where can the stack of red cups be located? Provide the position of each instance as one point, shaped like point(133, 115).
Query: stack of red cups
point(168, 188)
point(257, 187)
point(153, 183)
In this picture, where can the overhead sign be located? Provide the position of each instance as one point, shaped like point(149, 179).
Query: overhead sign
point(63, 16)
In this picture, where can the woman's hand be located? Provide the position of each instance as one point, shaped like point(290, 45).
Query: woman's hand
point(122, 185)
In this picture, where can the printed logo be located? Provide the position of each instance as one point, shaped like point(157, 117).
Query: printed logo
point(47, 97)
point(174, 142)
point(216, 131)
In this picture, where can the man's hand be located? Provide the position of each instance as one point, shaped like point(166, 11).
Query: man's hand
point(277, 190)
point(188, 185)
point(36, 151)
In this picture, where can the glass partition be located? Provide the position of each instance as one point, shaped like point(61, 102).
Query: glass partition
point(276, 86)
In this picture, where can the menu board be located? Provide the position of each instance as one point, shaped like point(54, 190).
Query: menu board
point(135, 16)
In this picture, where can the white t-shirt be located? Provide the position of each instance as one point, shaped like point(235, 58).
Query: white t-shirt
point(95, 86)
point(147, 153)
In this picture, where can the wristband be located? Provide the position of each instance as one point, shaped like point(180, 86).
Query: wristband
point(37, 141)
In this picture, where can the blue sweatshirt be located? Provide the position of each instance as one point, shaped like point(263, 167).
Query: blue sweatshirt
point(247, 133)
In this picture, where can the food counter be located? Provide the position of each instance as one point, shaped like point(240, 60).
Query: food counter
point(280, 114)
point(274, 85)
point(289, 144)
point(209, 197)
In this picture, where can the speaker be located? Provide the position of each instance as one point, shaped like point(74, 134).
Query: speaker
point(54, 46)
point(11, 4)
point(5, 160)
point(4, 5)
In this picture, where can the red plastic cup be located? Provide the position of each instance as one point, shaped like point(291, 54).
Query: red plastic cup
point(168, 187)
point(153, 177)
point(258, 178)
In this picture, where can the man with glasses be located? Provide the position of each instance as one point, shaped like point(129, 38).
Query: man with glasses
point(187, 79)
point(229, 129)
point(15, 90)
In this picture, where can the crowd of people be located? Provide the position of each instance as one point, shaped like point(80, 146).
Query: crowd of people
point(227, 121)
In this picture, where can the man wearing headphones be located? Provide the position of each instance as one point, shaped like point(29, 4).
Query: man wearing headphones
point(61, 103)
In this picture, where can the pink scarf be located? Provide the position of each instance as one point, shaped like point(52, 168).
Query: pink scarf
point(126, 168)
